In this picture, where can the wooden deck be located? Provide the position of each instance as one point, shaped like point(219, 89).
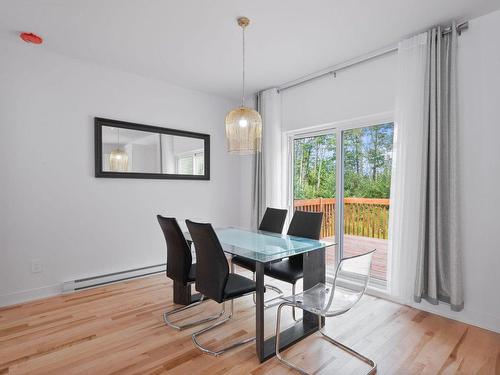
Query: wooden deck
point(118, 329)
point(354, 245)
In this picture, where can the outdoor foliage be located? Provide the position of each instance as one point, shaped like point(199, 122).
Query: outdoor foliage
point(368, 161)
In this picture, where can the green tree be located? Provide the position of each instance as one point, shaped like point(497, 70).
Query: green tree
point(367, 164)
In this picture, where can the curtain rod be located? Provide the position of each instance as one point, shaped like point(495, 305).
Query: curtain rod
point(333, 70)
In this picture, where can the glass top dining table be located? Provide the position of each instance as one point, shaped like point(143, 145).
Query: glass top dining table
point(264, 247)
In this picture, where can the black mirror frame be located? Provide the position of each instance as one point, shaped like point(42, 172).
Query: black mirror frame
point(100, 122)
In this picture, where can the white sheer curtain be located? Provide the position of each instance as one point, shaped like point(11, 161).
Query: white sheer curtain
point(407, 188)
point(268, 164)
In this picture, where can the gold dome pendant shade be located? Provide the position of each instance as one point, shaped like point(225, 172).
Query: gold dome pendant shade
point(118, 158)
point(243, 124)
point(243, 130)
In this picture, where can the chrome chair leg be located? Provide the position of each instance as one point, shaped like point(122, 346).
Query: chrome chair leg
point(231, 264)
point(368, 361)
point(273, 288)
point(167, 316)
point(268, 303)
point(217, 353)
point(293, 309)
point(277, 300)
point(277, 341)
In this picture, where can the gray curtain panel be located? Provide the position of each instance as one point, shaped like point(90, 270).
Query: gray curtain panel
point(258, 188)
point(439, 265)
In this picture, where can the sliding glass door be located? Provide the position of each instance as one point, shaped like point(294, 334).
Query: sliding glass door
point(353, 194)
point(367, 161)
point(314, 180)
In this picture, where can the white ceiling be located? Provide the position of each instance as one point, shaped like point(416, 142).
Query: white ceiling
point(197, 44)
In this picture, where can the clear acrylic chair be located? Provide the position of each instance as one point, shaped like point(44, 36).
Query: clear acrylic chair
point(328, 300)
point(291, 270)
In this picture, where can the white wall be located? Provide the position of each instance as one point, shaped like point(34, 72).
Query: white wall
point(363, 90)
point(479, 160)
point(369, 89)
point(53, 209)
point(479, 173)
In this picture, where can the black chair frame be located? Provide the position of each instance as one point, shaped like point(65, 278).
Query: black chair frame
point(214, 280)
point(179, 268)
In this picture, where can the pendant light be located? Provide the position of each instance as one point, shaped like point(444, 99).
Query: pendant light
point(243, 124)
point(118, 158)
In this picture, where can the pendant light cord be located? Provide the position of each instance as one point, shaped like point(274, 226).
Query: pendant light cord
point(243, 85)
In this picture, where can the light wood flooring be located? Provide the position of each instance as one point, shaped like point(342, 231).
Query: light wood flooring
point(118, 329)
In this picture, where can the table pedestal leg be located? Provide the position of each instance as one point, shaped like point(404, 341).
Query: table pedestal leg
point(259, 310)
point(314, 272)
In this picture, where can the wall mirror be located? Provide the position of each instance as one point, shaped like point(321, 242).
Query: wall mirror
point(128, 150)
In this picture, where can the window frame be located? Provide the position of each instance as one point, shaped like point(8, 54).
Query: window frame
point(192, 154)
point(377, 286)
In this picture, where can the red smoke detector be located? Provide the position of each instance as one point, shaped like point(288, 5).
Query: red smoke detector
point(31, 38)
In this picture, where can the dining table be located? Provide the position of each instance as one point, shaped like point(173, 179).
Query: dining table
point(265, 248)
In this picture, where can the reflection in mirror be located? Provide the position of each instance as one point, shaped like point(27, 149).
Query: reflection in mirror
point(182, 155)
point(128, 150)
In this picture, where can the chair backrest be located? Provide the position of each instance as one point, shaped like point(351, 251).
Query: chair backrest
point(273, 220)
point(212, 269)
point(304, 224)
point(179, 257)
point(349, 284)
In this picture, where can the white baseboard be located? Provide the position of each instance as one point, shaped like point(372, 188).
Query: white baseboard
point(110, 278)
point(79, 284)
point(476, 318)
point(473, 317)
point(30, 295)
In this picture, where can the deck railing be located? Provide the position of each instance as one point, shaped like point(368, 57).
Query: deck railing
point(365, 217)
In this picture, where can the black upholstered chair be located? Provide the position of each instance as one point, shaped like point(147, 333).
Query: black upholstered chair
point(273, 221)
point(291, 270)
point(180, 267)
point(214, 280)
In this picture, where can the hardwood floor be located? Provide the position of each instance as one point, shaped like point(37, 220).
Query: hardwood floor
point(118, 329)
